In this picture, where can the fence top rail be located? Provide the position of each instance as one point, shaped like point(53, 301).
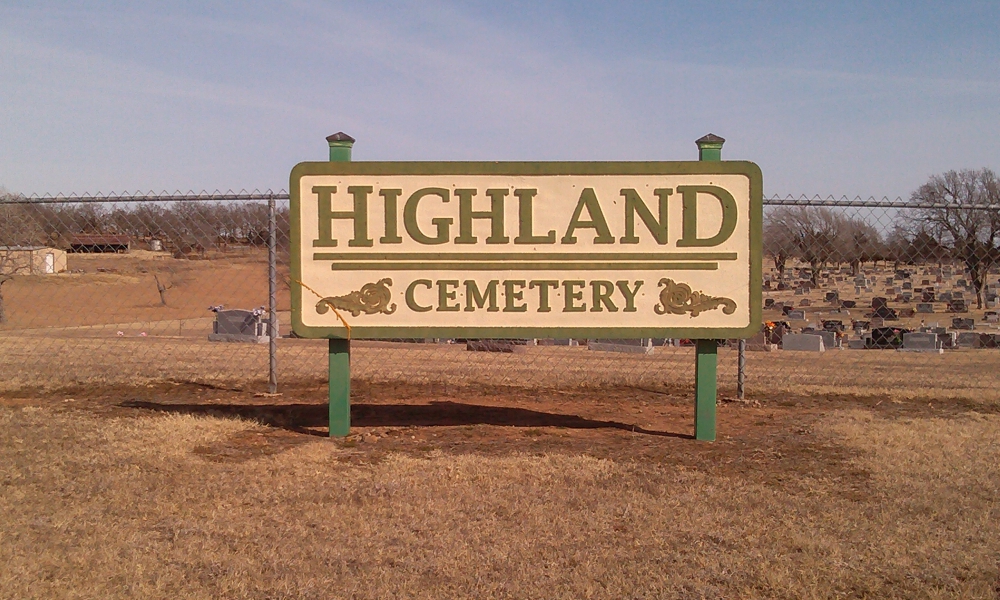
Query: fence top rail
point(829, 201)
point(871, 202)
point(145, 197)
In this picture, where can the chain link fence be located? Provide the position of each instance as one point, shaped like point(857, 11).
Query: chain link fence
point(141, 288)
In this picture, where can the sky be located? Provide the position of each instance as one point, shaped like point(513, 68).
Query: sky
point(828, 98)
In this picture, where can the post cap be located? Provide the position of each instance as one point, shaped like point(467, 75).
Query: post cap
point(340, 136)
point(710, 140)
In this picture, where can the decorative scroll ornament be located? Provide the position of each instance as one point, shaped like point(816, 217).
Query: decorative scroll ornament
point(677, 299)
point(371, 299)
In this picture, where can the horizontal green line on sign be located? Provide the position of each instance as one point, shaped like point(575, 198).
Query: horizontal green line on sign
point(525, 256)
point(523, 266)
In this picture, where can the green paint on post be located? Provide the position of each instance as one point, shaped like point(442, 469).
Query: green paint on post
point(706, 352)
point(340, 147)
point(705, 366)
point(340, 387)
point(340, 350)
point(710, 148)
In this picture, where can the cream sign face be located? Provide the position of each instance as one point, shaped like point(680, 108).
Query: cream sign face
point(509, 250)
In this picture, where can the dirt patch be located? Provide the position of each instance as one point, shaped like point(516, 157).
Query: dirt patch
point(771, 443)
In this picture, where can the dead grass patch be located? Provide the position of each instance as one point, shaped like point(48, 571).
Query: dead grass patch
point(117, 506)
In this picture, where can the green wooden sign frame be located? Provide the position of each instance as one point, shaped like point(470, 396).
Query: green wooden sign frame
point(694, 259)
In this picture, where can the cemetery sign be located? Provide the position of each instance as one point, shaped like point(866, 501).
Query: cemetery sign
point(539, 249)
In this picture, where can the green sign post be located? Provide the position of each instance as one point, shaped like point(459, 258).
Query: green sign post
point(706, 352)
point(340, 349)
point(598, 250)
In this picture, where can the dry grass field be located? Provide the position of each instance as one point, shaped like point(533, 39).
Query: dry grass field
point(104, 323)
point(155, 467)
point(190, 491)
point(41, 362)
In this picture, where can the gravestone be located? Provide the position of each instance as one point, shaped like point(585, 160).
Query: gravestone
point(767, 285)
point(805, 302)
point(238, 325)
point(848, 303)
point(968, 339)
point(775, 331)
point(925, 308)
point(927, 295)
point(782, 286)
point(829, 338)
point(768, 302)
point(963, 323)
point(958, 306)
point(506, 346)
point(559, 342)
point(925, 282)
point(907, 285)
point(958, 295)
point(991, 316)
point(944, 297)
point(880, 308)
point(885, 338)
point(921, 342)
point(802, 342)
point(889, 280)
point(833, 325)
point(640, 346)
point(947, 339)
point(797, 315)
point(907, 296)
point(832, 297)
point(760, 343)
point(989, 340)
point(962, 283)
point(799, 291)
point(857, 344)
point(786, 308)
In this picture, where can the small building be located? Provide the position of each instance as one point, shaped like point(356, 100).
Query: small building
point(31, 260)
point(91, 242)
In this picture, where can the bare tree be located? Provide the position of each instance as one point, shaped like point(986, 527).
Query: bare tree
point(910, 243)
point(966, 220)
point(162, 289)
point(779, 241)
point(858, 242)
point(814, 231)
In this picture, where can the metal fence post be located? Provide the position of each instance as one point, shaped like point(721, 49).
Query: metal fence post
point(706, 353)
point(741, 370)
point(272, 296)
point(340, 350)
